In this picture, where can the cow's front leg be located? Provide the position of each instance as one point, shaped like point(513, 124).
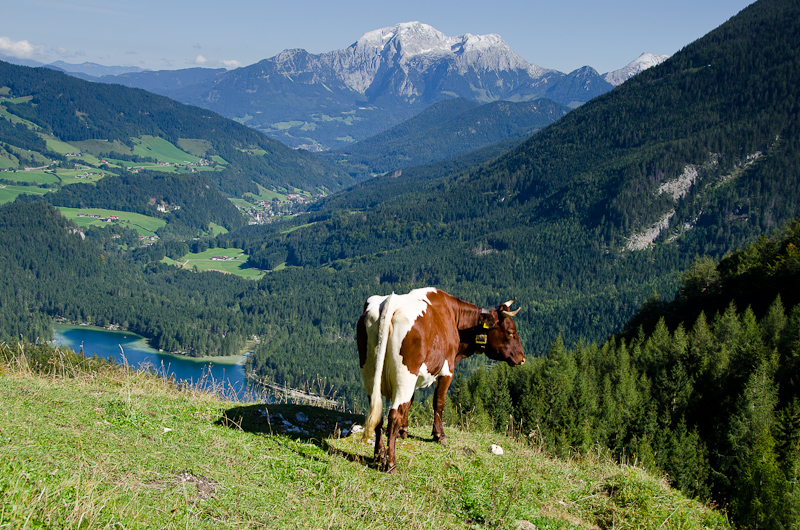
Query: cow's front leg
point(442, 384)
point(404, 426)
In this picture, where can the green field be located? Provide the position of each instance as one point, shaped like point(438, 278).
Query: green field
point(161, 150)
point(237, 264)
point(58, 146)
point(10, 193)
point(197, 147)
point(75, 176)
point(217, 229)
point(15, 119)
point(38, 177)
point(143, 224)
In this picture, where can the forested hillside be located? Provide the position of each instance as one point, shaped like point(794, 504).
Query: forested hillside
point(55, 106)
point(700, 151)
point(53, 270)
point(444, 130)
point(705, 390)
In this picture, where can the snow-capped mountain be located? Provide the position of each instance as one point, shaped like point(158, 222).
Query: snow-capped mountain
point(322, 101)
point(641, 63)
point(416, 63)
point(418, 47)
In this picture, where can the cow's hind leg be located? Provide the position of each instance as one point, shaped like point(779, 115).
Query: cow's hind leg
point(392, 431)
point(442, 384)
point(379, 456)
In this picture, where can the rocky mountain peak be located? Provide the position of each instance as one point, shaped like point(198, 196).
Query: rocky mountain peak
point(641, 63)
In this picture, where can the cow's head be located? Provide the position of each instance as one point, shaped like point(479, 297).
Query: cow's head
point(502, 339)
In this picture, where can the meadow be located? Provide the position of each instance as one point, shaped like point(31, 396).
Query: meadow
point(143, 224)
point(10, 193)
point(90, 444)
point(237, 263)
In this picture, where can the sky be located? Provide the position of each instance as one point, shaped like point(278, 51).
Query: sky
point(172, 34)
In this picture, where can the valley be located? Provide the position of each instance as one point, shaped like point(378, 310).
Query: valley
point(648, 233)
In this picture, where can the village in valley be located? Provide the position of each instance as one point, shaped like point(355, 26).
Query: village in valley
point(262, 211)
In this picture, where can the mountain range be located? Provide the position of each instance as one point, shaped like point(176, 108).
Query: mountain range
point(330, 100)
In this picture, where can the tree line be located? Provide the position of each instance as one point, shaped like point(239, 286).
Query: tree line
point(704, 388)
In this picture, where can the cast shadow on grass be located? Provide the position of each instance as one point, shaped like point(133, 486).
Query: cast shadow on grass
point(304, 423)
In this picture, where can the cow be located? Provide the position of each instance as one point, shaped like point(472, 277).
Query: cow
point(410, 341)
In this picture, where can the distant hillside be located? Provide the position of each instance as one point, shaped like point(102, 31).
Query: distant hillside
point(77, 117)
point(447, 129)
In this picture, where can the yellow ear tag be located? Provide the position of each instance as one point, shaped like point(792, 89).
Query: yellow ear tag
point(485, 325)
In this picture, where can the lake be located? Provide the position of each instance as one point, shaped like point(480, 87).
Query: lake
point(226, 377)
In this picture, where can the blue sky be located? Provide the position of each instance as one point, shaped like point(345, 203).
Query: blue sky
point(170, 34)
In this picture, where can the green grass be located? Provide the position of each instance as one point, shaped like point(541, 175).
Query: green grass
point(58, 146)
point(161, 150)
point(285, 125)
point(143, 224)
point(292, 229)
point(237, 265)
point(38, 177)
point(217, 229)
point(196, 147)
point(87, 444)
point(84, 176)
point(10, 193)
point(13, 118)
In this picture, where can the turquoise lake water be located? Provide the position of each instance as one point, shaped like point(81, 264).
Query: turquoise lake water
point(227, 380)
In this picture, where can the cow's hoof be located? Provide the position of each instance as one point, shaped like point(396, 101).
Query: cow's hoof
point(440, 439)
point(392, 469)
point(403, 434)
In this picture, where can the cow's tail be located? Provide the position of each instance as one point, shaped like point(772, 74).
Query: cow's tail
point(375, 399)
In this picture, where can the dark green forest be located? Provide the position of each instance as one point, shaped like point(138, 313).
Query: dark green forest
point(445, 130)
point(705, 389)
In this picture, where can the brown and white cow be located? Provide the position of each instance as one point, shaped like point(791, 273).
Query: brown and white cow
point(408, 341)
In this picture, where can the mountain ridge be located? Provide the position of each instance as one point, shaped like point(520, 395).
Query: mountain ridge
point(329, 100)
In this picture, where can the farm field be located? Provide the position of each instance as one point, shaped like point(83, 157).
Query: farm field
point(143, 224)
point(235, 264)
point(161, 150)
point(10, 193)
point(31, 177)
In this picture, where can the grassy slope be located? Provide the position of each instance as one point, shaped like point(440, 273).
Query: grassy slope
point(104, 447)
point(238, 265)
point(145, 225)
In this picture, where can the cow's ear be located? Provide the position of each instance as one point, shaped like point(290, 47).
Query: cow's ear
point(486, 321)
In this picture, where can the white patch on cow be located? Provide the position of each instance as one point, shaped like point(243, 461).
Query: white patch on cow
point(426, 378)
point(397, 382)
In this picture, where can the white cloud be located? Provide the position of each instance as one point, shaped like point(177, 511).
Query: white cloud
point(21, 49)
point(201, 60)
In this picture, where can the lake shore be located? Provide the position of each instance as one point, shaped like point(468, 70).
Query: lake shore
point(143, 343)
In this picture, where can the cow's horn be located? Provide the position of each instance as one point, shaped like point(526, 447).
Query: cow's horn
point(511, 313)
point(508, 304)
